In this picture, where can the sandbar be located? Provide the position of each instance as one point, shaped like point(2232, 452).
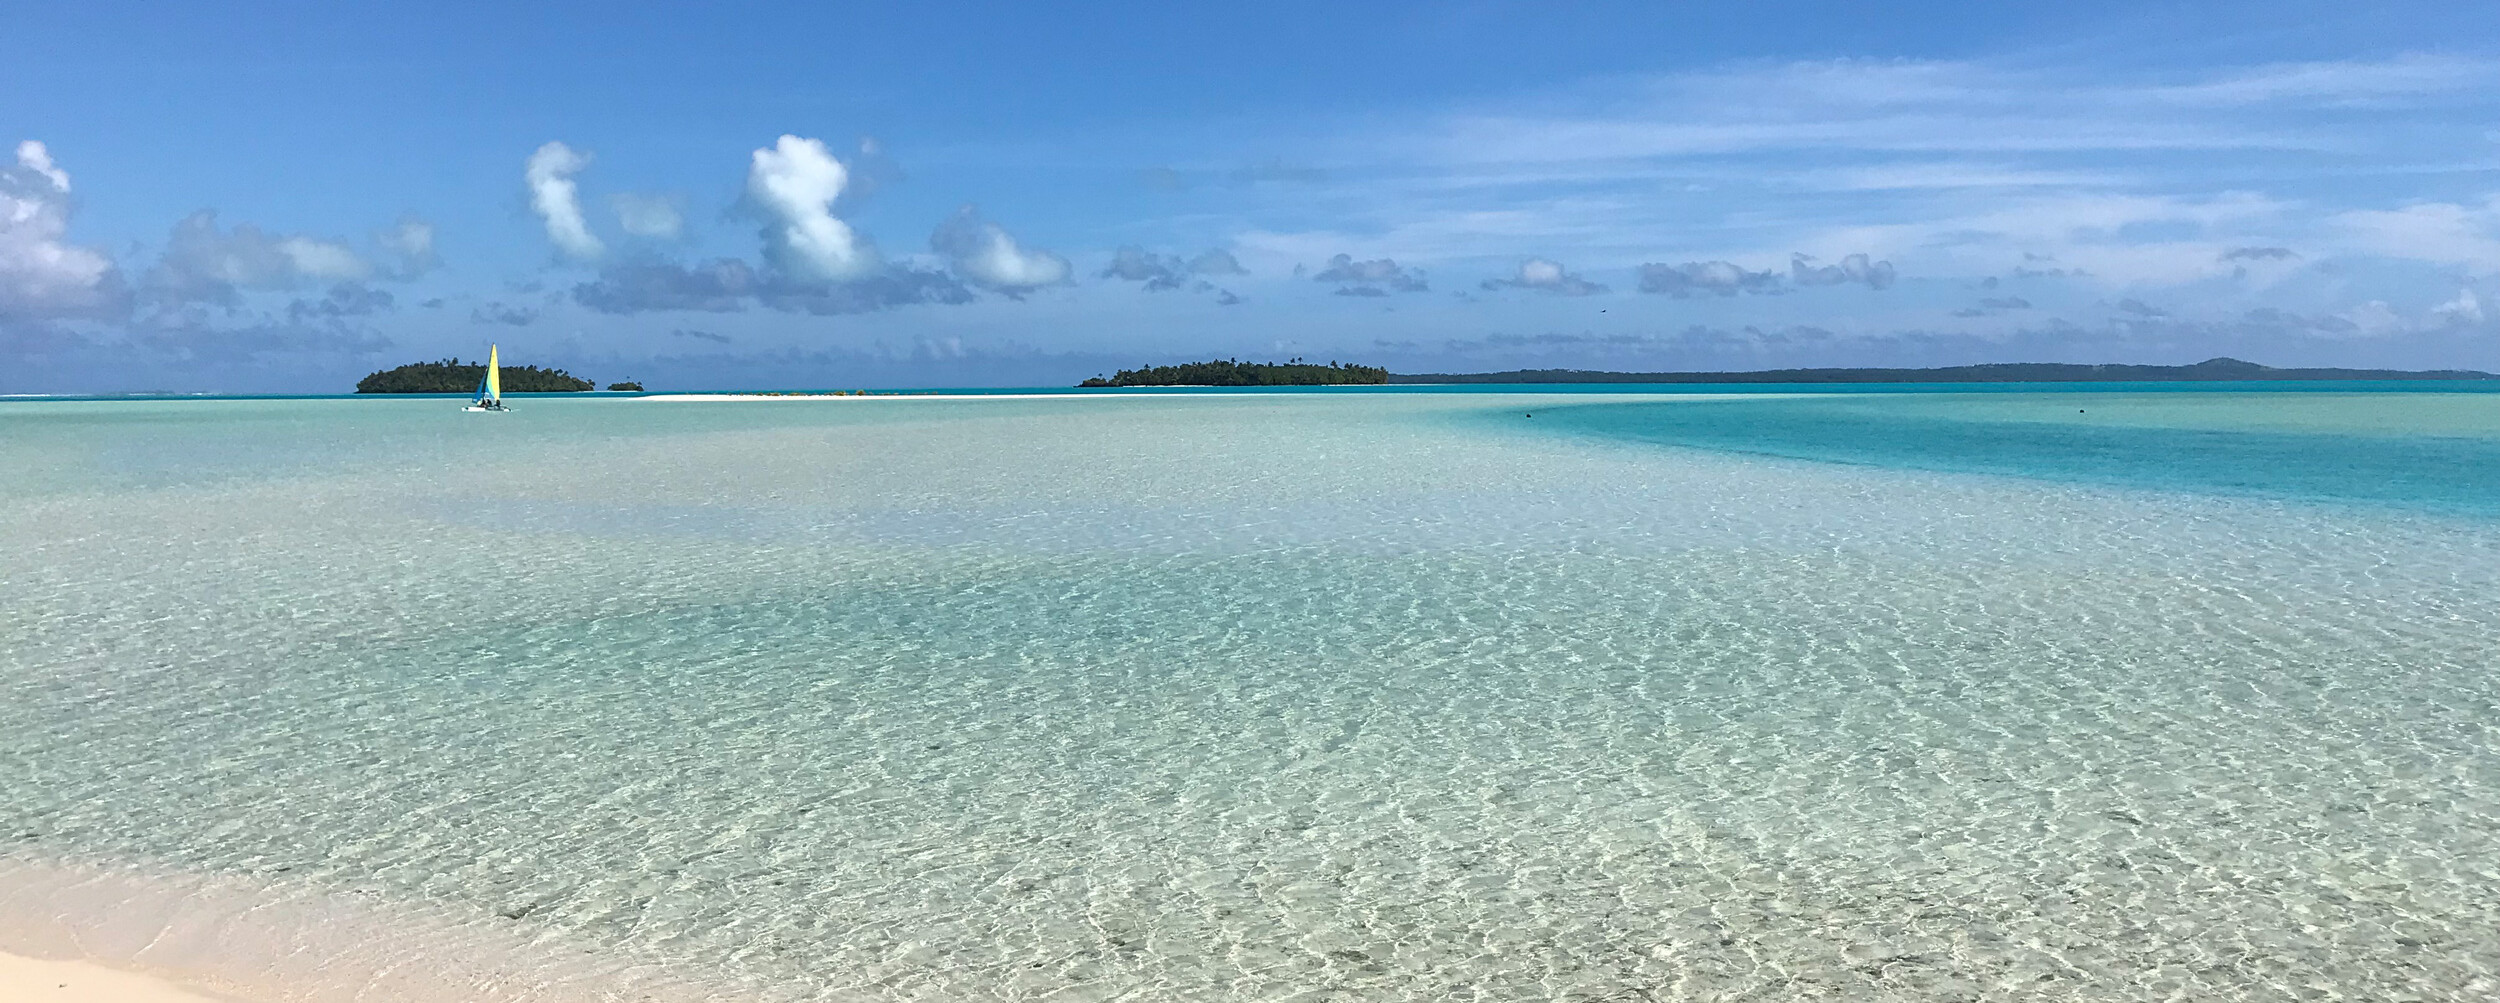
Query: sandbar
point(889, 397)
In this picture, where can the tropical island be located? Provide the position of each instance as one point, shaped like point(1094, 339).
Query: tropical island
point(452, 376)
point(2218, 369)
point(1235, 373)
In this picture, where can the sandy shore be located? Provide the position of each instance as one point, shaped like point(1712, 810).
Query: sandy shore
point(173, 937)
point(35, 980)
point(892, 397)
point(1527, 397)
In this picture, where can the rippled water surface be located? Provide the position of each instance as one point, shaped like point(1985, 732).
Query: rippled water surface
point(1399, 697)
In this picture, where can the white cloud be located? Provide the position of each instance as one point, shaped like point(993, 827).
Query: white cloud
point(2465, 309)
point(1548, 276)
point(2117, 239)
point(203, 263)
point(2128, 176)
point(1159, 272)
point(653, 216)
point(1857, 268)
point(41, 274)
point(2375, 319)
point(1217, 261)
point(1695, 278)
point(2441, 232)
point(408, 248)
point(558, 202)
point(795, 181)
point(1370, 278)
point(986, 256)
point(32, 156)
point(1955, 107)
point(1166, 272)
point(2358, 83)
point(321, 259)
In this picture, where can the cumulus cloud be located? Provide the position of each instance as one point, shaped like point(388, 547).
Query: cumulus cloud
point(1549, 276)
point(558, 202)
point(728, 285)
point(656, 217)
point(1136, 264)
point(321, 259)
point(1854, 268)
point(347, 299)
point(35, 158)
point(795, 182)
point(1166, 272)
point(724, 285)
point(2141, 308)
point(1217, 261)
point(41, 273)
point(893, 286)
point(1700, 278)
point(2257, 254)
point(1377, 277)
point(408, 248)
point(713, 337)
point(2465, 309)
point(985, 255)
point(205, 264)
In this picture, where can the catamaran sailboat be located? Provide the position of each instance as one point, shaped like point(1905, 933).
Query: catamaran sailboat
point(490, 388)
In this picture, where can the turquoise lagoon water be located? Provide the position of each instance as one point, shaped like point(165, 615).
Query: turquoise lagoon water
point(1397, 696)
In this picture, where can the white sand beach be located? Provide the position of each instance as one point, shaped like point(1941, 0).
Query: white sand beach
point(88, 933)
point(38, 980)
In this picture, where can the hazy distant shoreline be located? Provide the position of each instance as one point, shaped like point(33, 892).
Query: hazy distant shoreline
point(2210, 370)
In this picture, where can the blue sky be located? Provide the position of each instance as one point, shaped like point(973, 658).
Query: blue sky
point(282, 197)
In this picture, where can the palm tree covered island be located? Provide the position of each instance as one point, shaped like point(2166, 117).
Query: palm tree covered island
point(452, 376)
point(1235, 373)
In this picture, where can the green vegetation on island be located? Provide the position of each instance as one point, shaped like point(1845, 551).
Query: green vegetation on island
point(1235, 373)
point(2222, 369)
point(627, 385)
point(452, 376)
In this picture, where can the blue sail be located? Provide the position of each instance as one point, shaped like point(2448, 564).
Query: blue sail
point(481, 389)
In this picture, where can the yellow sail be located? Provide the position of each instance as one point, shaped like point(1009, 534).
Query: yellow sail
point(494, 375)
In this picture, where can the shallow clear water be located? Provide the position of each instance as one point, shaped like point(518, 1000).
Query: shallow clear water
point(2430, 453)
point(1299, 697)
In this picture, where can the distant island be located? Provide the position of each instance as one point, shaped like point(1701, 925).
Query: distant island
point(452, 376)
point(1235, 373)
point(2002, 372)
